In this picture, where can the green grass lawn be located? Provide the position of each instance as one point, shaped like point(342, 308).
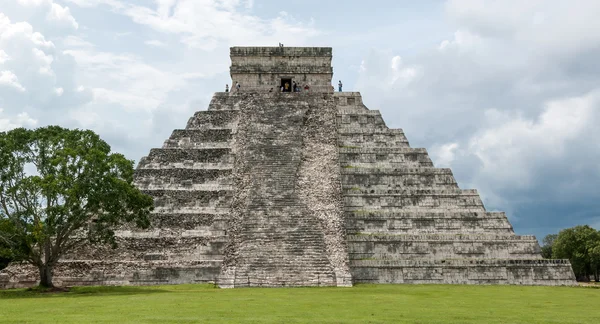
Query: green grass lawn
point(360, 304)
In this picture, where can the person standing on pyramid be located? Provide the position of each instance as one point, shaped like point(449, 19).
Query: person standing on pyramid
point(237, 86)
point(340, 85)
point(226, 87)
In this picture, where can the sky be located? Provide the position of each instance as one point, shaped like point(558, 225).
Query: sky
point(506, 93)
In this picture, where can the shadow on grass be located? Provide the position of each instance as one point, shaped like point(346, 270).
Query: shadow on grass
point(81, 292)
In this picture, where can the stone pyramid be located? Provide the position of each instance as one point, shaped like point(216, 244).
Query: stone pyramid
point(275, 188)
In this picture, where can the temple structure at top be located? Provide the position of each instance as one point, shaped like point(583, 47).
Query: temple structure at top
point(269, 188)
point(263, 69)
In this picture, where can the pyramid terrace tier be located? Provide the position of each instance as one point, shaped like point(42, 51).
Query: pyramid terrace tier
point(391, 158)
point(155, 245)
point(183, 178)
point(213, 119)
point(415, 199)
point(212, 158)
point(378, 178)
point(223, 101)
point(442, 246)
point(190, 199)
point(474, 272)
point(179, 221)
point(356, 118)
point(199, 138)
point(371, 137)
point(386, 221)
point(70, 273)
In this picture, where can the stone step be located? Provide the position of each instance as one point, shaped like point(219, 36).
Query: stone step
point(471, 237)
point(397, 180)
point(383, 150)
point(385, 165)
point(410, 192)
point(436, 198)
point(159, 157)
point(187, 165)
point(359, 119)
point(342, 111)
point(189, 221)
point(189, 138)
point(422, 171)
point(213, 118)
point(413, 224)
point(343, 143)
point(373, 140)
point(195, 179)
point(183, 185)
point(406, 222)
point(365, 130)
point(384, 214)
point(223, 101)
point(442, 246)
point(464, 271)
point(352, 156)
point(190, 198)
point(221, 211)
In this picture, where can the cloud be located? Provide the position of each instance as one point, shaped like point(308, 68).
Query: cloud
point(208, 24)
point(155, 43)
point(56, 13)
point(3, 57)
point(7, 78)
point(62, 15)
point(21, 120)
point(36, 79)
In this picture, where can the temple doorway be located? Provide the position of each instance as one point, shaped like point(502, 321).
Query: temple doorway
point(287, 85)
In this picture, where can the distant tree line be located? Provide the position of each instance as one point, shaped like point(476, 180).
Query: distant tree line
point(579, 244)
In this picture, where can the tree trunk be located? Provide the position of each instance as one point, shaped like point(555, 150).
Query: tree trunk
point(46, 276)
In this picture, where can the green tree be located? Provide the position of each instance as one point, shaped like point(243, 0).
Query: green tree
point(581, 245)
point(547, 243)
point(60, 189)
point(5, 251)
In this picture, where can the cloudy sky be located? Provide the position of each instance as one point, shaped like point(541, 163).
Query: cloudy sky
point(506, 93)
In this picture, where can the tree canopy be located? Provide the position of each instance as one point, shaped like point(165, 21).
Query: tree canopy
point(547, 243)
point(60, 189)
point(581, 245)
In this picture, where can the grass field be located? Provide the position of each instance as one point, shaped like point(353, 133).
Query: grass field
point(360, 304)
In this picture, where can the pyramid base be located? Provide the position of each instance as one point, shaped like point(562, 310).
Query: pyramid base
point(472, 272)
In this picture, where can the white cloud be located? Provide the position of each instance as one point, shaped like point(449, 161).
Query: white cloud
point(444, 155)
point(34, 3)
point(116, 4)
point(155, 43)
point(205, 24)
point(56, 14)
point(524, 144)
point(7, 78)
point(21, 120)
point(62, 15)
point(59, 91)
point(3, 57)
